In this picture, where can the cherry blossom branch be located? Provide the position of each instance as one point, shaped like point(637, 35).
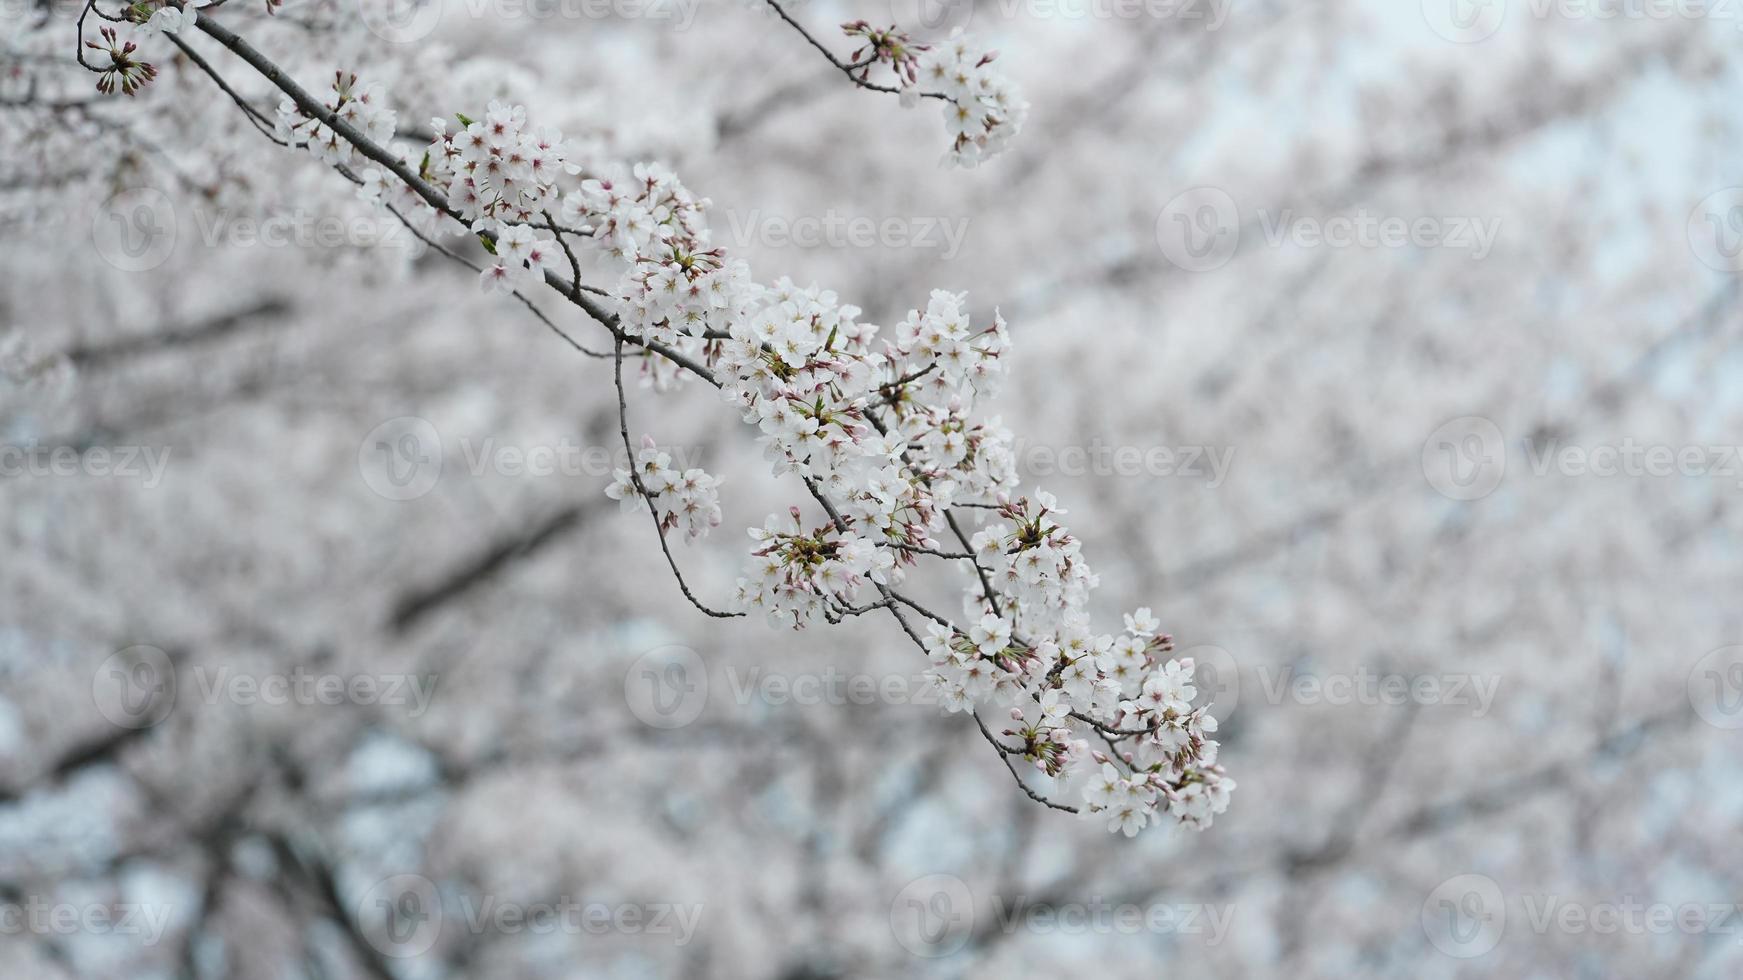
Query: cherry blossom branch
point(984, 110)
point(1177, 773)
point(475, 267)
point(314, 108)
point(916, 549)
point(249, 112)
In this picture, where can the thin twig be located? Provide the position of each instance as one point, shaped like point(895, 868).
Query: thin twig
point(647, 498)
point(846, 69)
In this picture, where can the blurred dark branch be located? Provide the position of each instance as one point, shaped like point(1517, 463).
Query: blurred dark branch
point(1508, 793)
point(1589, 94)
point(1604, 397)
point(1377, 770)
point(92, 356)
point(1254, 547)
point(414, 605)
point(1547, 104)
point(732, 124)
point(81, 756)
point(102, 749)
point(315, 878)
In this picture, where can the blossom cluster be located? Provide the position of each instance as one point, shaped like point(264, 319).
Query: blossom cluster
point(687, 500)
point(797, 572)
point(983, 109)
point(126, 70)
point(1070, 682)
point(362, 105)
point(495, 171)
point(1035, 560)
point(858, 417)
point(675, 284)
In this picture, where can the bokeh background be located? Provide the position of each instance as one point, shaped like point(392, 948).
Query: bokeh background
point(1355, 335)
